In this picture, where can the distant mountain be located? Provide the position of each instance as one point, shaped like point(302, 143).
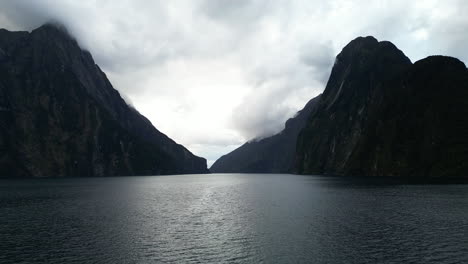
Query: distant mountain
point(60, 116)
point(273, 154)
point(381, 115)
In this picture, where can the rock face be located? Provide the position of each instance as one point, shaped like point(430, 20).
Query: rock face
point(60, 116)
point(273, 154)
point(381, 115)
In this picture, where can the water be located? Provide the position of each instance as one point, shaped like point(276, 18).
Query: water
point(231, 218)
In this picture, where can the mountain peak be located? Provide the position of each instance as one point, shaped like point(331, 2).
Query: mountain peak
point(442, 61)
point(364, 47)
point(53, 27)
point(362, 41)
point(359, 44)
point(363, 60)
point(53, 31)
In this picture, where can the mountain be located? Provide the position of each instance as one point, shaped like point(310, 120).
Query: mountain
point(273, 154)
point(60, 116)
point(381, 115)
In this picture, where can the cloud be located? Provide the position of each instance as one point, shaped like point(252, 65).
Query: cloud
point(212, 74)
point(279, 86)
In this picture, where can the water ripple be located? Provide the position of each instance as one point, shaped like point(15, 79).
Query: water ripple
point(231, 218)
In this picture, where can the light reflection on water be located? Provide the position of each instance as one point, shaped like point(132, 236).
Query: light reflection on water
point(231, 218)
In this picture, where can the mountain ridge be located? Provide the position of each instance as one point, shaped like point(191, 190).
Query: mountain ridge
point(386, 116)
point(54, 86)
point(380, 115)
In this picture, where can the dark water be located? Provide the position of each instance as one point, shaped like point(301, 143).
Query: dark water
point(231, 219)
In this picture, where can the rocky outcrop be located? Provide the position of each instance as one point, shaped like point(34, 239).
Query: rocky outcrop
point(381, 115)
point(60, 116)
point(273, 154)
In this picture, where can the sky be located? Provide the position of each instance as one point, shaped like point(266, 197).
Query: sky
point(213, 74)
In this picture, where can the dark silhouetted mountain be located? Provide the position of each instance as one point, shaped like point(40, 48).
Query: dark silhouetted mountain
point(273, 154)
point(60, 116)
point(381, 115)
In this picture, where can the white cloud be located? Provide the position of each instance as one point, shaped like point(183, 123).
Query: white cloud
point(212, 74)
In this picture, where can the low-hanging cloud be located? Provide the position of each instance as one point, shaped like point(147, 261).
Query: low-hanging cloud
point(278, 90)
point(214, 73)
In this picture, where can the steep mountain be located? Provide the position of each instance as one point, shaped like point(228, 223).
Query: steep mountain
point(60, 116)
point(381, 115)
point(273, 154)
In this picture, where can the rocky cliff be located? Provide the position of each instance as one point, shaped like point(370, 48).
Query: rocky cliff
point(60, 116)
point(381, 115)
point(273, 154)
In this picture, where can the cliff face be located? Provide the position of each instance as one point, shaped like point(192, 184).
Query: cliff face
point(381, 115)
point(273, 154)
point(60, 116)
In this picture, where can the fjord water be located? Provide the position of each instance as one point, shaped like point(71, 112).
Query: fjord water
point(231, 218)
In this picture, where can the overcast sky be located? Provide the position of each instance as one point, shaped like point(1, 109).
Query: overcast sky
point(212, 74)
